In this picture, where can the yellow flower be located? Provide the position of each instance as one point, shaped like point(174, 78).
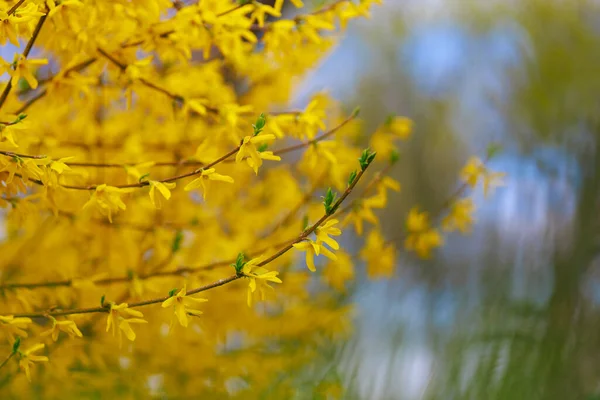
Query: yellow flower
point(12, 326)
point(264, 155)
point(67, 326)
point(248, 149)
point(460, 216)
point(27, 359)
point(260, 12)
point(259, 278)
point(183, 305)
point(475, 170)
point(363, 212)
point(135, 71)
point(327, 229)
point(120, 316)
point(338, 272)
point(8, 28)
point(107, 199)
point(23, 69)
point(401, 127)
point(421, 238)
point(380, 258)
point(313, 249)
point(163, 188)
point(134, 172)
point(206, 176)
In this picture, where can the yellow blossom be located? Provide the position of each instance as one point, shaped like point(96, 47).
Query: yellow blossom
point(475, 170)
point(401, 127)
point(248, 149)
point(107, 200)
point(67, 326)
point(327, 229)
point(183, 305)
point(313, 249)
point(163, 188)
point(12, 326)
point(261, 10)
point(119, 319)
point(27, 359)
point(380, 258)
point(259, 278)
point(421, 237)
point(340, 271)
point(204, 180)
point(460, 216)
point(363, 211)
point(23, 69)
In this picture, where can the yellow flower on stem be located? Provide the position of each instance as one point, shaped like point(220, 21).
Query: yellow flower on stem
point(421, 237)
point(363, 212)
point(67, 326)
point(27, 359)
point(380, 257)
point(120, 316)
point(107, 200)
point(259, 278)
point(327, 229)
point(23, 69)
point(313, 249)
point(475, 170)
point(12, 326)
point(183, 305)
point(206, 176)
point(163, 188)
point(460, 216)
point(248, 149)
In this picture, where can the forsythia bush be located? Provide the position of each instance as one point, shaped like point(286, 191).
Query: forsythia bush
point(160, 204)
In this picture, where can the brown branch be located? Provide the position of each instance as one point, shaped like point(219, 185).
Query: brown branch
point(28, 47)
point(12, 10)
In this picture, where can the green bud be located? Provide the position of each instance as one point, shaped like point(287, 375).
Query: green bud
point(329, 201)
point(352, 177)
point(176, 245)
point(172, 292)
point(239, 263)
point(102, 300)
point(263, 146)
point(493, 149)
point(143, 177)
point(394, 156)
point(366, 158)
point(16, 345)
point(260, 124)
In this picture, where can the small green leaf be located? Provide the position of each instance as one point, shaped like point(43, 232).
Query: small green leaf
point(177, 240)
point(355, 112)
point(172, 292)
point(239, 263)
point(366, 158)
point(394, 156)
point(16, 345)
point(493, 149)
point(143, 177)
point(305, 222)
point(244, 2)
point(102, 300)
point(21, 117)
point(329, 201)
point(260, 124)
point(352, 177)
point(263, 146)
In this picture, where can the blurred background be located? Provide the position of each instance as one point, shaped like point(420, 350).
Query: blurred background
point(512, 311)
